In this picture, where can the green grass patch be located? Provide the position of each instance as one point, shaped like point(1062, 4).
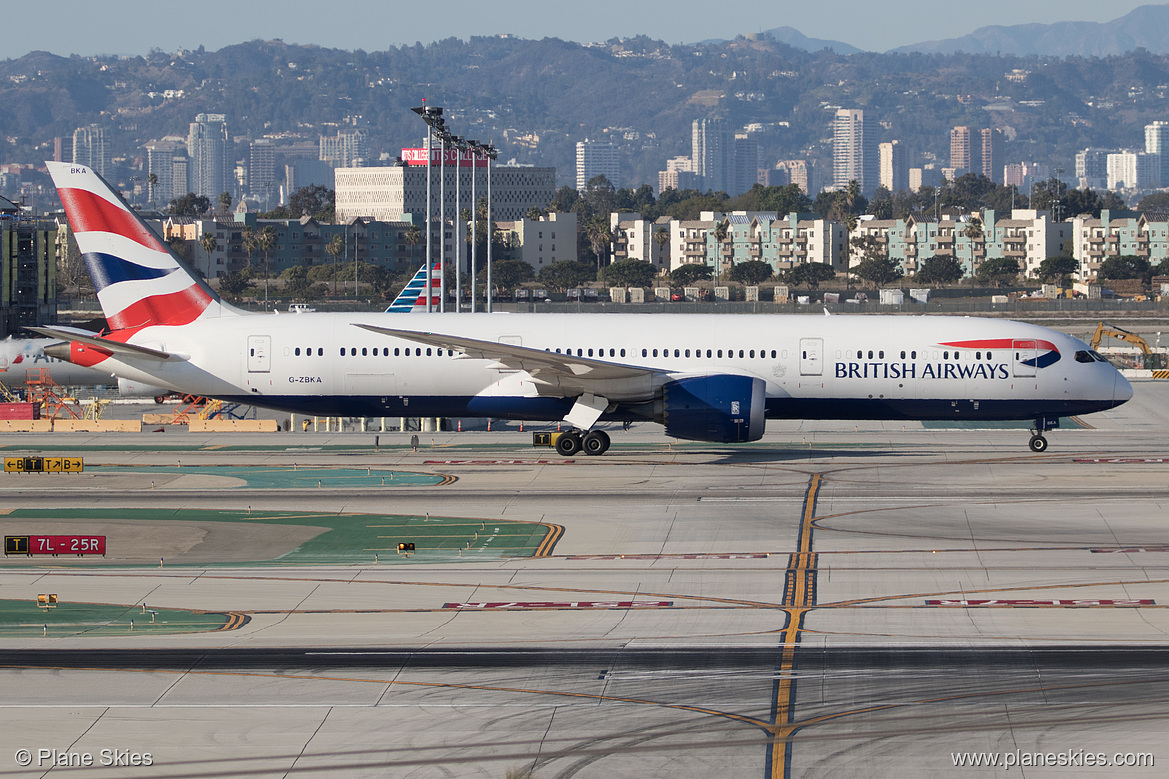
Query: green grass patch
point(26, 618)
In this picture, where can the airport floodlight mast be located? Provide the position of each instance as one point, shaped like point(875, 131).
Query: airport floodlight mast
point(432, 115)
point(460, 145)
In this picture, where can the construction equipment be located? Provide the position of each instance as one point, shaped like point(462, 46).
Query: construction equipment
point(1149, 360)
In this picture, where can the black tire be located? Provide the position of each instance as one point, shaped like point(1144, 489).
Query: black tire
point(1038, 443)
point(568, 444)
point(595, 442)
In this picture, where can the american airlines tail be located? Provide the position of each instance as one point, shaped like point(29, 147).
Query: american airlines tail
point(412, 298)
point(140, 282)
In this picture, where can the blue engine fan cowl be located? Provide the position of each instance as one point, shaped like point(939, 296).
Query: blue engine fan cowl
point(721, 408)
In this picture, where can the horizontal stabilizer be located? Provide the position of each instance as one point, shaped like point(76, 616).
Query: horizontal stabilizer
point(114, 347)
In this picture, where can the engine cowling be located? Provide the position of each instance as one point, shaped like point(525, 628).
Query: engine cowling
point(722, 408)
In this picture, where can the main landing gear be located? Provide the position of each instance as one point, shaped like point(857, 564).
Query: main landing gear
point(594, 442)
point(1038, 443)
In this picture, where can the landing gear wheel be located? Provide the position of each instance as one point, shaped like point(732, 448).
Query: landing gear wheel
point(595, 442)
point(1038, 443)
point(568, 444)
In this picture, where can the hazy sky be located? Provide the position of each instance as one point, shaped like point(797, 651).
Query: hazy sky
point(134, 27)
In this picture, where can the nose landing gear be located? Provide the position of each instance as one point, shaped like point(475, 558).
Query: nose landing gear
point(1038, 443)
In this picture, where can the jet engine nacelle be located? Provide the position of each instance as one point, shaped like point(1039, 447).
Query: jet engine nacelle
point(722, 408)
point(136, 389)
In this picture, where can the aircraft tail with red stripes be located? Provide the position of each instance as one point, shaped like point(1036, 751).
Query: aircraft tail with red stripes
point(140, 282)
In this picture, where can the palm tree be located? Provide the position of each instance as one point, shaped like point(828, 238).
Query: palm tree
point(335, 248)
point(599, 235)
point(662, 239)
point(209, 245)
point(850, 223)
point(721, 232)
point(974, 232)
point(265, 241)
point(225, 201)
point(152, 180)
point(249, 241)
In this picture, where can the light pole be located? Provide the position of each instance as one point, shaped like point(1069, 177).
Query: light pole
point(491, 154)
point(460, 145)
point(476, 150)
point(432, 115)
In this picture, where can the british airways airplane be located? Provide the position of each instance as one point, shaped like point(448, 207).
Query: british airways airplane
point(705, 377)
point(24, 359)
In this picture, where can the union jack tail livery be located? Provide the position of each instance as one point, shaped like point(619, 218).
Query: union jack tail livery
point(139, 281)
point(413, 295)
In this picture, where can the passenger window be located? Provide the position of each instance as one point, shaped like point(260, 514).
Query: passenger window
point(989, 356)
point(676, 354)
point(752, 353)
point(687, 352)
point(613, 353)
point(590, 352)
point(428, 351)
point(655, 352)
point(978, 355)
point(645, 353)
point(364, 352)
point(396, 351)
point(881, 354)
point(945, 355)
point(342, 351)
point(903, 354)
point(859, 354)
point(720, 353)
point(870, 354)
point(622, 352)
point(773, 354)
point(913, 355)
point(296, 351)
point(321, 352)
point(740, 354)
point(708, 354)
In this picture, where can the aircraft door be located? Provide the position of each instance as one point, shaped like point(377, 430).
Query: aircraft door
point(1026, 354)
point(811, 356)
point(259, 353)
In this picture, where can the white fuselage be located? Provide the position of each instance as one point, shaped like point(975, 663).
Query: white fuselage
point(860, 367)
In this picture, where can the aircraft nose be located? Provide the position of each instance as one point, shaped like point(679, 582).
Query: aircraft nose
point(1121, 389)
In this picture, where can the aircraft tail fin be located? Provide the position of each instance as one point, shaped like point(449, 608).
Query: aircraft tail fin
point(139, 281)
point(413, 296)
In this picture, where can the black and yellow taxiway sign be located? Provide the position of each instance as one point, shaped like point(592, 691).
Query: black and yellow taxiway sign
point(43, 465)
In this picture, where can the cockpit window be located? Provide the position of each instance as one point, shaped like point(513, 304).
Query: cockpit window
point(1082, 356)
point(1099, 357)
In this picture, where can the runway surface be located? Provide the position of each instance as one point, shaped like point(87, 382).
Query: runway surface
point(864, 599)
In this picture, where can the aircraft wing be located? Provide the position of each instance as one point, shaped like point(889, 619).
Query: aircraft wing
point(108, 344)
point(564, 370)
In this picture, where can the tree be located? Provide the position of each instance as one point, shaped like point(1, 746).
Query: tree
point(506, 275)
point(1126, 266)
point(249, 242)
point(566, 274)
point(1058, 269)
point(807, 274)
point(599, 235)
point(722, 232)
point(296, 282)
point(265, 241)
point(209, 244)
point(690, 272)
point(751, 273)
point(190, 204)
point(335, 248)
point(998, 271)
point(314, 200)
point(629, 273)
point(152, 182)
point(180, 247)
point(235, 283)
point(225, 202)
point(1157, 202)
point(940, 270)
point(878, 271)
point(662, 240)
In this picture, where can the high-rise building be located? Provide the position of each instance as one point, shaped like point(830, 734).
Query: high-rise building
point(91, 149)
point(209, 148)
point(262, 171)
point(1157, 142)
point(1092, 168)
point(960, 148)
point(1133, 170)
point(894, 175)
point(710, 153)
point(797, 173)
point(745, 168)
point(347, 149)
point(597, 158)
point(854, 151)
point(989, 162)
point(161, 159)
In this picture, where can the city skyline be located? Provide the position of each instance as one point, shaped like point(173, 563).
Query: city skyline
point(115, 26)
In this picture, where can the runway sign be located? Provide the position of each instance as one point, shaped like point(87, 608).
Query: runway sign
point(55, 545)
point(1025, 603)
point(578, 604)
